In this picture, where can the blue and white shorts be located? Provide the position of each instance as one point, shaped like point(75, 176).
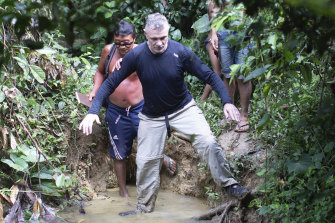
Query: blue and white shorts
point(122, 126)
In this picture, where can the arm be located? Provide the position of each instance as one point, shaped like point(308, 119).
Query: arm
point(99, 74)
point(212, 11)
point(214, 39)
point(107, 88)
point(194, 65)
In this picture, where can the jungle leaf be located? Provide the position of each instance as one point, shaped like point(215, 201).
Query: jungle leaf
point(60, 180)
point(257, 72)
point(46, 50)
point(202, 25)
point(234, 68)
point(263, 122)
point(306, 74)
point(301, 165)
point(16, 163)
point(288, 56)
point(2, 96)
point(38, 73)
point(176, 35)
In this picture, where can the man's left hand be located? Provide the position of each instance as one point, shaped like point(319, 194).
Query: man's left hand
point(117, 65)
point(231, 112)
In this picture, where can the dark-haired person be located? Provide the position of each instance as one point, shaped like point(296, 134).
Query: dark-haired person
point(160, 64)
point(213, 56)
point(124, 104)
point(230, 53)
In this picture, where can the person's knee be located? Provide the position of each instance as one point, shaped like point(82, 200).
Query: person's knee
point(148, 162)
point(121, 160)
point(204, 141)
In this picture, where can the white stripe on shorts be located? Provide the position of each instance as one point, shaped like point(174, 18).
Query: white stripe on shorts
point(116, 152)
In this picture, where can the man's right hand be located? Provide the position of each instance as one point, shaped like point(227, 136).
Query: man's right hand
point(214, 40)
point(231, 112)
point(87, 123)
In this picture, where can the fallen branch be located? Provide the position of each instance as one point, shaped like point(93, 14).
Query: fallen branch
point(5, 197)
point(215, 211)
point(181, 136)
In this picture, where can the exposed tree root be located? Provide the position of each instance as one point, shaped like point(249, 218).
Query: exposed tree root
point(223, 208)
point(224, 213)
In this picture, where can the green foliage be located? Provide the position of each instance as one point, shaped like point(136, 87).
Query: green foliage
point(291, 68)
point(213, 111)
point(241, 164)
point(321, 7)
point(37, 97)
point(211, 195)
point(88, 24)
point(202, 25)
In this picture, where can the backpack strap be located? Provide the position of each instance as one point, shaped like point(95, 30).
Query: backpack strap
point(108, 60)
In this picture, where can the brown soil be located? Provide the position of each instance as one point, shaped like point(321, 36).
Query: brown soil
point(89, 157)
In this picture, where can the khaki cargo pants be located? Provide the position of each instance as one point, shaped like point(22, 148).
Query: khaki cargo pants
point(151, 140)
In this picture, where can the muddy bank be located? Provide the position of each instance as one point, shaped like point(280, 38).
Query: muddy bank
point(89, 157)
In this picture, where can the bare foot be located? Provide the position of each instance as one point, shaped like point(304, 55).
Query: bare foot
point(124, 193)
point(170, 165)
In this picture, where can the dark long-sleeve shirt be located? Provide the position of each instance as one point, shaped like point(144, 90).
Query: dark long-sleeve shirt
point(162, 78)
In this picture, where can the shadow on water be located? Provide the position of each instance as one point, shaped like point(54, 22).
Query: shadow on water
point(170, 208)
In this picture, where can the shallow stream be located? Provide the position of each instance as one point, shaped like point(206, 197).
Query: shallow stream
point(170, 208)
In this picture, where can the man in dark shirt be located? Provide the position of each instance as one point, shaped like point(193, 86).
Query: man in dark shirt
point(160, 64)
point(123, 105)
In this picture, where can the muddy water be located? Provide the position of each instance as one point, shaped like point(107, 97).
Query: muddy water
point(170, 208)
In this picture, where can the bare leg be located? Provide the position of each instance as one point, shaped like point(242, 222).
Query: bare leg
point(245, 89)
point(230, 88)
point(120, 171)
point(216, 66)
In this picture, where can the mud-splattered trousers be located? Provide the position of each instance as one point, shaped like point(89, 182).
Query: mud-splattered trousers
point(152, 133)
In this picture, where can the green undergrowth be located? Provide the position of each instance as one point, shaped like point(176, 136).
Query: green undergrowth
point(38, 109)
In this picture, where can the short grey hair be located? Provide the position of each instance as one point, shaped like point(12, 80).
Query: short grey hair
point(156, 21)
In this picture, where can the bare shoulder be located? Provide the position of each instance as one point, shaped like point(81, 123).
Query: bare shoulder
point(104, 54)
point(105, 50)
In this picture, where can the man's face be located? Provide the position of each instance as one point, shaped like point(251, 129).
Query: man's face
point(157, 39)
point(124, 43)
